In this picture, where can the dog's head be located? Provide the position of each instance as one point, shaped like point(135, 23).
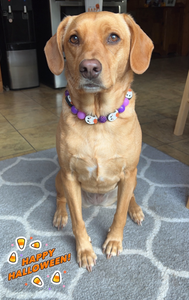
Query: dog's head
point(100, 49)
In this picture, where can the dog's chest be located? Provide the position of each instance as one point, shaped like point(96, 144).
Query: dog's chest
point(100, 158)
point(98, 174)
point(97, 168)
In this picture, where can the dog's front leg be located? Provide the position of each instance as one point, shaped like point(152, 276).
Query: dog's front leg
point(113, 243)
point(85, 254)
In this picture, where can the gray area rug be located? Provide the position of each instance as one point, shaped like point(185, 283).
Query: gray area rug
point(154, 264)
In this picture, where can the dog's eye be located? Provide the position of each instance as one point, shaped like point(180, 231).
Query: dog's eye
point(74, 39)
point(113, 38)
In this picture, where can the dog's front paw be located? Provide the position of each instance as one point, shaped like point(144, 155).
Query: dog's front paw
point(113, 243)
point(60, 218)
point(112, 247)
point(86, 258)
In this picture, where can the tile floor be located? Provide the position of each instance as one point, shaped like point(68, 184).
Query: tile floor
point(28, 118)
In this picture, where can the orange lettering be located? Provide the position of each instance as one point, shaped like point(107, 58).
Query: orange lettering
point(11, 276)
point(51, 263)
point(44, 254)
point(29, 270)
point(18, 274)
point(51, 252)
point(38, 256)
point(44, 265)
point(63, 258)
point(35, 268)
point(25, 261)
point(57, 261)
point(32, 259)
point(24, 272)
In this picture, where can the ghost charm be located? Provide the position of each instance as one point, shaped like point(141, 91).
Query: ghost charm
point(129, 94)
point(113, 116)
point(69, 101)
point(91, 120)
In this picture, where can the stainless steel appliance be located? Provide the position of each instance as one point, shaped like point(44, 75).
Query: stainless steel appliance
point(17, 43)
point(48, 15)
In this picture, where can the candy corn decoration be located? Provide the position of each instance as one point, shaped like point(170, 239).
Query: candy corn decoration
point(21, 243)
point(35, 245)
point(56, 277)
point(13, 258)
point(37, 281)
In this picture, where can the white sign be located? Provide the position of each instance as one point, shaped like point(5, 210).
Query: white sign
point(93, 5)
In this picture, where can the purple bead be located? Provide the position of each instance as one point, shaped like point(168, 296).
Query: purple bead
point(126, 102)
point(102, 119)
point(74, 110)
point(81, 115)
point(121, 109)
point(66, 93)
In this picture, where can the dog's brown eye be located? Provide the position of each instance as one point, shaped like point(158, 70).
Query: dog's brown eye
point(113, 38)
point(74, 39)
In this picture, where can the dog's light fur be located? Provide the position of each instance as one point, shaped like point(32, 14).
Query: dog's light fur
point(96, 159)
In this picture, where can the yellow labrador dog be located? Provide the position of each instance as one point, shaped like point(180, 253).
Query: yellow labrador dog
point(98, 136)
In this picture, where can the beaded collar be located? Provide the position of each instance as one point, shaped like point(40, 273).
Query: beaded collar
point(102, 119)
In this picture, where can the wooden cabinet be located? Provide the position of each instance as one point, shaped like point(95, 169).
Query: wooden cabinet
point(163, 25)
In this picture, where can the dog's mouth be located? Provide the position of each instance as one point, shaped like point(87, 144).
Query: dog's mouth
point(91, 87)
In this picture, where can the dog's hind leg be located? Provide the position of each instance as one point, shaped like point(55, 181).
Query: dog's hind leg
point(61, 216)
point(135, 212)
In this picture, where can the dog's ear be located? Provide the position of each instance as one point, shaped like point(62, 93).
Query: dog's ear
point(54, 49)
point(141, 47)
point(54, 58)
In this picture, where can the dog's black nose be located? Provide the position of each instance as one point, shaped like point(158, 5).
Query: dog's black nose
point(90, 68)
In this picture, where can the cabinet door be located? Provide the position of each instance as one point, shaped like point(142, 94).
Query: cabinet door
point(172, 32)
point(151, 20)
point(163, 25)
